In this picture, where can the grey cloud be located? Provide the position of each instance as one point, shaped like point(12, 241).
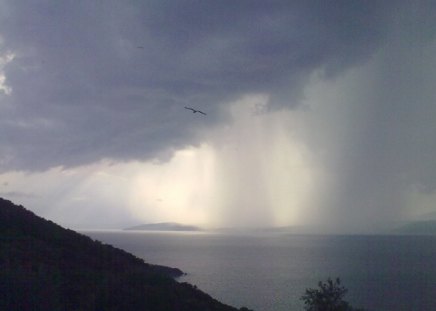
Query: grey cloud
point(78, 68)
point(381, 136)
point(18, 195)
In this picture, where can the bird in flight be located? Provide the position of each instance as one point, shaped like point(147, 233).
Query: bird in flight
point(195, 110)
point(140, 47)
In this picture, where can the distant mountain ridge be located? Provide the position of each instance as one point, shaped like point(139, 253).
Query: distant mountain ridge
point(423, 227)
point(165, 226)
point(47, 267)
point(174, 226)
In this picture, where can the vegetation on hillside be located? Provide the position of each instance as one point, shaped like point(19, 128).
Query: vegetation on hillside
point(329, 296)
point(47, 267)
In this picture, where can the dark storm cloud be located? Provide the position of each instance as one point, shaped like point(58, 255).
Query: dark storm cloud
point(381, 133)
point(82, 90)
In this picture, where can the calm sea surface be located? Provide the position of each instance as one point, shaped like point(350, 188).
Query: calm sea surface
point(271, 271)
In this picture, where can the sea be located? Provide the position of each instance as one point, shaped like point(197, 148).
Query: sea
point(271, 271)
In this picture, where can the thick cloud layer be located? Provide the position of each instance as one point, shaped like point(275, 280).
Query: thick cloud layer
point(94, 80)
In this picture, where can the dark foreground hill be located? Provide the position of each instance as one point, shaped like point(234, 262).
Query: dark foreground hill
point(47, 267)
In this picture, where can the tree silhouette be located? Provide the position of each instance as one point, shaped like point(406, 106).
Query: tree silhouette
point(329, 296)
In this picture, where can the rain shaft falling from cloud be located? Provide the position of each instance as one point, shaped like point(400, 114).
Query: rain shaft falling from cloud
point(263, 174)
point(248, 173)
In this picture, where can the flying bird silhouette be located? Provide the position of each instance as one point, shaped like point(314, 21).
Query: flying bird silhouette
point(195, 110)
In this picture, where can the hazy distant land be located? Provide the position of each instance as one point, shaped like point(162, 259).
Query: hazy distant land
point(424, 227)
point(427, 227)
point(174, 226)
point(165, 226)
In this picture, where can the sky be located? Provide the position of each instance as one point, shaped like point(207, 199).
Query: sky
point(319, 114)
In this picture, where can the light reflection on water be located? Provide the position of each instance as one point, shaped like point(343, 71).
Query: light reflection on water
point(271, 271)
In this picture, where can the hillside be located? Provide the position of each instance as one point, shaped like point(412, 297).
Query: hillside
point(47, 267)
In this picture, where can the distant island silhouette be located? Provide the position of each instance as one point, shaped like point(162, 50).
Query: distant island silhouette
point(165, 226)
point(174, 226)
point(47, 267)
point(424, 227)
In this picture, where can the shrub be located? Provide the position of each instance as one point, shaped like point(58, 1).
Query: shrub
point(329, 296)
